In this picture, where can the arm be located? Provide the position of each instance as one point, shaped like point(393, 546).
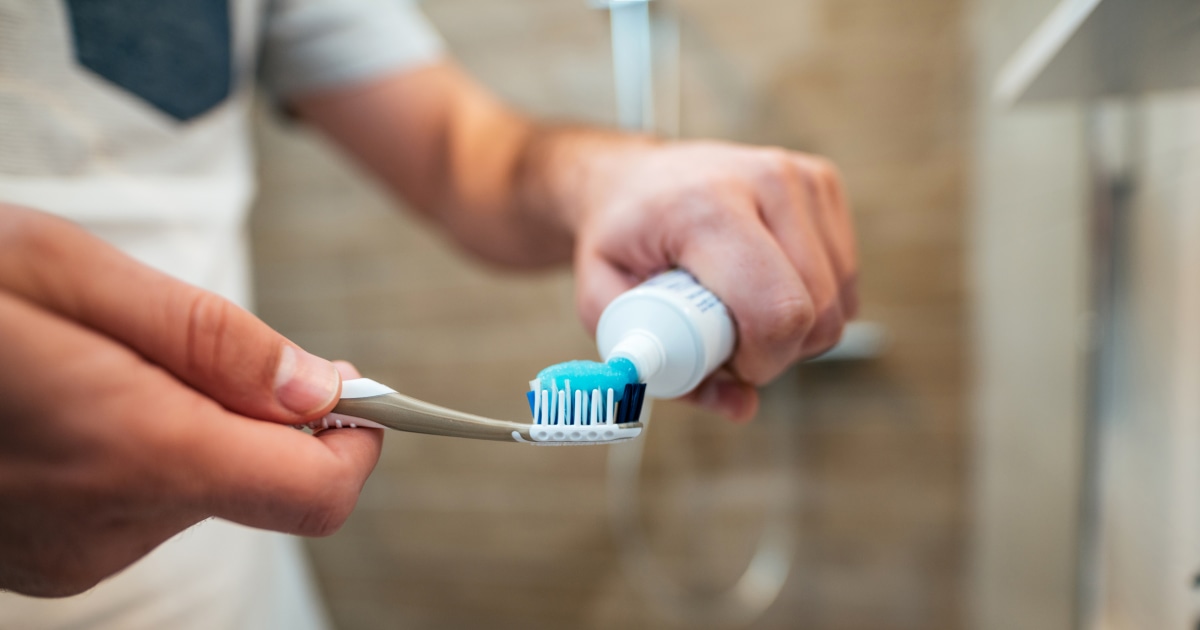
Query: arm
point(767, 230)
point(459, 157)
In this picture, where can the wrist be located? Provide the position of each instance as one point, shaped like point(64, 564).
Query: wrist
point(579, 168)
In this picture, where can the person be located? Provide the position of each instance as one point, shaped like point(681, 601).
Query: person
point(138, 398)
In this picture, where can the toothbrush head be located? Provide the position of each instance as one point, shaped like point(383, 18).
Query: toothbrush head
point(564, 415)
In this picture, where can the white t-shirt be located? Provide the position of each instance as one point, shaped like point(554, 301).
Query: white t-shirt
point(131, 117)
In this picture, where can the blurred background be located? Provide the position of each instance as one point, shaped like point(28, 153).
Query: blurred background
point(937, 485)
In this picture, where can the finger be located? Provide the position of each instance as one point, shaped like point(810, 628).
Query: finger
point(346, 370)
point(272, 477)
point(836, 225)
point(731, 252)
point(789, 201)
point(208, 342)
point(260, 474)
point(727, 395)
point(597, 283)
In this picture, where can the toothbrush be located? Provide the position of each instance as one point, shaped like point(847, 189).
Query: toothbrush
point(579, 419)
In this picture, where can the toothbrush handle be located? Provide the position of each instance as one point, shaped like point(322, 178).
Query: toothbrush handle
point(403, 413)
point(383, 407)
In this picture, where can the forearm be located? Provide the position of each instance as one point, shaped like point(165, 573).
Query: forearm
point(508, 189)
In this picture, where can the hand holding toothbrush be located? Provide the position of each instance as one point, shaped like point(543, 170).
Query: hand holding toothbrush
point(132, 406)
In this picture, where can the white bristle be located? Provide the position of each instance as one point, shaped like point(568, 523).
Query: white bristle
point(579, 409)
point(567, 391)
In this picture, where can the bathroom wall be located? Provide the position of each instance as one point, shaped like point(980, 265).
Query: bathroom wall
point(1149, 520)
point(1030, 285)
point(1028, 289)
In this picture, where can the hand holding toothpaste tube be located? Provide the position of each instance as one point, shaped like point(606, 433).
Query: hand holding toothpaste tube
point(767, 230)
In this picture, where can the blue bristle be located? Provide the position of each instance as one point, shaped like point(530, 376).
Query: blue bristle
point(639, 397)
point(629, 407)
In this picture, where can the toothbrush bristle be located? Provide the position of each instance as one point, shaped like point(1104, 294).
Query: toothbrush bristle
point(567, 407)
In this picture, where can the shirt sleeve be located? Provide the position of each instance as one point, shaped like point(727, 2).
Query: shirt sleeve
point(316, 44)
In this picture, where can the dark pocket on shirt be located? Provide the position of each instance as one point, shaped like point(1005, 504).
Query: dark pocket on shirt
point(174, 54)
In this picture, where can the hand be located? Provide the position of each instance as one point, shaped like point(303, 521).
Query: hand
point(132, 408)
point(768, 231)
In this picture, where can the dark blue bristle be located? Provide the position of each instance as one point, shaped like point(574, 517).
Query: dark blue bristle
point(532, 398)
point(639, 397)
point(624, 406)
point(630, 407)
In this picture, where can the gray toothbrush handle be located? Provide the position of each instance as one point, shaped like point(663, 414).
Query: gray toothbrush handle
point(403, 413)
point(382, 406)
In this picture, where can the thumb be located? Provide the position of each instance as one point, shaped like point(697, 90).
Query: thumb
point(597, 284)
point(206, 341)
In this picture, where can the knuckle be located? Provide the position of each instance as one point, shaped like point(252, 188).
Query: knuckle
point(816, 166)
point(822, 172)
point(705, 209)
point(823, 168)
point(773, 170)
point(208, 317)
point(775, 165)
point(775, 339)
point(787, 321)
